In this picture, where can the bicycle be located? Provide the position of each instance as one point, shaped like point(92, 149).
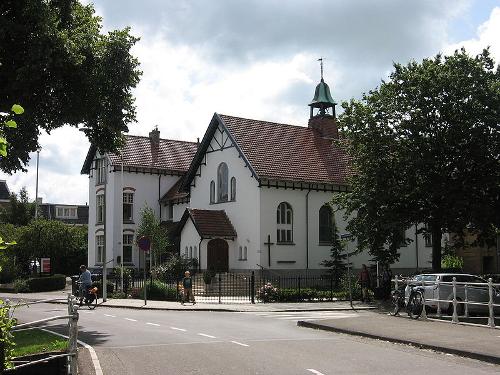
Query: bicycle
point(415, 303)
point(90, 297)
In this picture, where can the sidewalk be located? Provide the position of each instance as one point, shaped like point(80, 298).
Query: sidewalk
point(227, 306)
point(481, 343)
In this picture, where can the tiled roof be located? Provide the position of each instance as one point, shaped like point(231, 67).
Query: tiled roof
point(209, 223)
point(288, 152)
point(169, 154)
point(173, 194)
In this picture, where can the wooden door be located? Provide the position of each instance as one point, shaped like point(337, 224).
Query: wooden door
point(218, 255)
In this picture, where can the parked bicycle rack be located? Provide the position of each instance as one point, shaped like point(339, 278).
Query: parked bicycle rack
point(454, 301)
point(72, 317)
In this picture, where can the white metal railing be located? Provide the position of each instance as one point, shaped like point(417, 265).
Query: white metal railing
point(455, 301)
point(72, 317)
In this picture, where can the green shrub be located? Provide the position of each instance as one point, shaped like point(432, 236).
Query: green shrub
point(40, 284)
point(355, 287)
point(21, 286)
point(175, 267)
point(452, 261)
point(118, 295)
point(159, 291)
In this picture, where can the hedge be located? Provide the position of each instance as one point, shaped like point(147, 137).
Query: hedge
point(41, 284)
point(159, 291)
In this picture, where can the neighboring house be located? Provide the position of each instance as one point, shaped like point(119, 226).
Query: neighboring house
point(253, 194)
point(478, 258)
point(151, 167)
point(66, 213)
point(4, 194)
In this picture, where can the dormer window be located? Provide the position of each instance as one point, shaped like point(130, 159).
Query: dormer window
point(222, 182)
point(100, 167)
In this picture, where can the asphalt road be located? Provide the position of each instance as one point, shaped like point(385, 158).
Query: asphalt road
point(131, 341)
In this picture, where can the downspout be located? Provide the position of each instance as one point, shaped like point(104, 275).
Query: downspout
point(199, 254)
point(416, 244)
point(307, 229)
point(159, 195)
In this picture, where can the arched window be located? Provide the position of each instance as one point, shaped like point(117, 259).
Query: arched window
point(240, 254)
point(245, 253)
point(284, 221)
point(325, 224)
point(222, 181)
point(190, 252)
point(186, 252)
point(212, 191)
point(233, 188)
point(195, 253)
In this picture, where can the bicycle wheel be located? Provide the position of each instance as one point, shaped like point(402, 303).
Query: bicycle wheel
point(415, 305)
point(94, 304)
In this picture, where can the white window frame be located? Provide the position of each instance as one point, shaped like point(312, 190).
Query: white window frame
point(67, 212)
point(284, 223)
point(128, 200)
point(100, 208)
point(99, 248)
point(128, 242)
point(100, 167)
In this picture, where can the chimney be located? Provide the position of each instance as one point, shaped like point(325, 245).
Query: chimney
point(154, 136)
point(325, 125)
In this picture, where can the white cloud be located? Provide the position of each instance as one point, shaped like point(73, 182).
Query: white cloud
point(488, 34)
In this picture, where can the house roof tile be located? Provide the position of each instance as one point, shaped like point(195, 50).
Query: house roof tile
point(168, 154)
point(288, 152)
point(209, 223)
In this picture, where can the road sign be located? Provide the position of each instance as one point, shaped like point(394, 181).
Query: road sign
point(346, 236)
point(144, 243)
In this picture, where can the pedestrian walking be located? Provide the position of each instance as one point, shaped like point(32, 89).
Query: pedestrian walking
point(364, 281)
point(187, 285)
point(386, 281)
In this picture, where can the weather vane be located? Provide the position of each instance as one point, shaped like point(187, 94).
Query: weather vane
point(321, 65)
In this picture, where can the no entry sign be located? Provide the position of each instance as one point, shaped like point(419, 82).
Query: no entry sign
point(144, 243)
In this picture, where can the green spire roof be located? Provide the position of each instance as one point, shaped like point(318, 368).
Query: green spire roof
point(322, 96)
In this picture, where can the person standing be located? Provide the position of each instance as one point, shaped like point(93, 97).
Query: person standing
point(386, 281)
point(364, 281)
point(187, 285)
point(85, 281)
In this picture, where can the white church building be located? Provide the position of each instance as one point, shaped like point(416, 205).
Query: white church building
point(251, 195)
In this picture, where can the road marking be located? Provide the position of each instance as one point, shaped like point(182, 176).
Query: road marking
point(239, 343)
point(178, 329)
point(131, 320)
point(205, 335)
point(153, 324)
point(86, 312)
point(111, 316)
point(93, 355)
point(314, 371)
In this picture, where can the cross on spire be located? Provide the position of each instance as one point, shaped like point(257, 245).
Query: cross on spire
point(321, 65)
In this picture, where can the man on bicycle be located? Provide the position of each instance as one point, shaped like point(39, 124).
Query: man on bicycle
point(85, 282)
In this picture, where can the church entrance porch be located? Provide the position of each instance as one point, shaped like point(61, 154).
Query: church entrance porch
point(218, 255)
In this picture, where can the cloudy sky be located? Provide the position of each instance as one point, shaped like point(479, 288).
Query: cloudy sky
point(258, 59)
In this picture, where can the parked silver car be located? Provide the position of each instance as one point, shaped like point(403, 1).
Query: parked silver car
point(475, 293)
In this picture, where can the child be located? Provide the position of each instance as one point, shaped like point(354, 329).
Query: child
point(187, 284)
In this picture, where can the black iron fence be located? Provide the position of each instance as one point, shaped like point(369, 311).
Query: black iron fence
point(232, 288)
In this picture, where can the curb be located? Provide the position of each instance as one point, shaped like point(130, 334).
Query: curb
point(463, 353)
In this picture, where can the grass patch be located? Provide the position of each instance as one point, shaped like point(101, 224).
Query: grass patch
point(34, 341)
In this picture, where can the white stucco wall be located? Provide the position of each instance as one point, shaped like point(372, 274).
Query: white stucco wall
point(191, 238)
point(244, 212)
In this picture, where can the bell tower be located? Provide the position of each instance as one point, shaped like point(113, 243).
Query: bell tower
point(324, 120)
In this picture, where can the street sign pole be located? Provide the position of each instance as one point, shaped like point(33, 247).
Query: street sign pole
point(348, 236)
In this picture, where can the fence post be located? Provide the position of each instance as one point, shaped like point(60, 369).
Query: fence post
point(454, 318)
point(73, 340)
point(466, 302)
point(423, 316)
point(491, 315)
point(439, 300)
point(220, 289)
point(252, 287)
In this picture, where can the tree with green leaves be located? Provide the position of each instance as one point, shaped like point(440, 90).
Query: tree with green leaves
point(57, 63)
point(425, 148)
point(149, 226)
point(338, 255)
point(20, 210)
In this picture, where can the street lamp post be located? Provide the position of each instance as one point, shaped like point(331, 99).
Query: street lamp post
point(36, 184)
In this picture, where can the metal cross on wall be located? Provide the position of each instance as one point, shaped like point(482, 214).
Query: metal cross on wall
point(269, 243)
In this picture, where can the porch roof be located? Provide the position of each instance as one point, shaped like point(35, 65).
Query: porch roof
point(208, 223)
